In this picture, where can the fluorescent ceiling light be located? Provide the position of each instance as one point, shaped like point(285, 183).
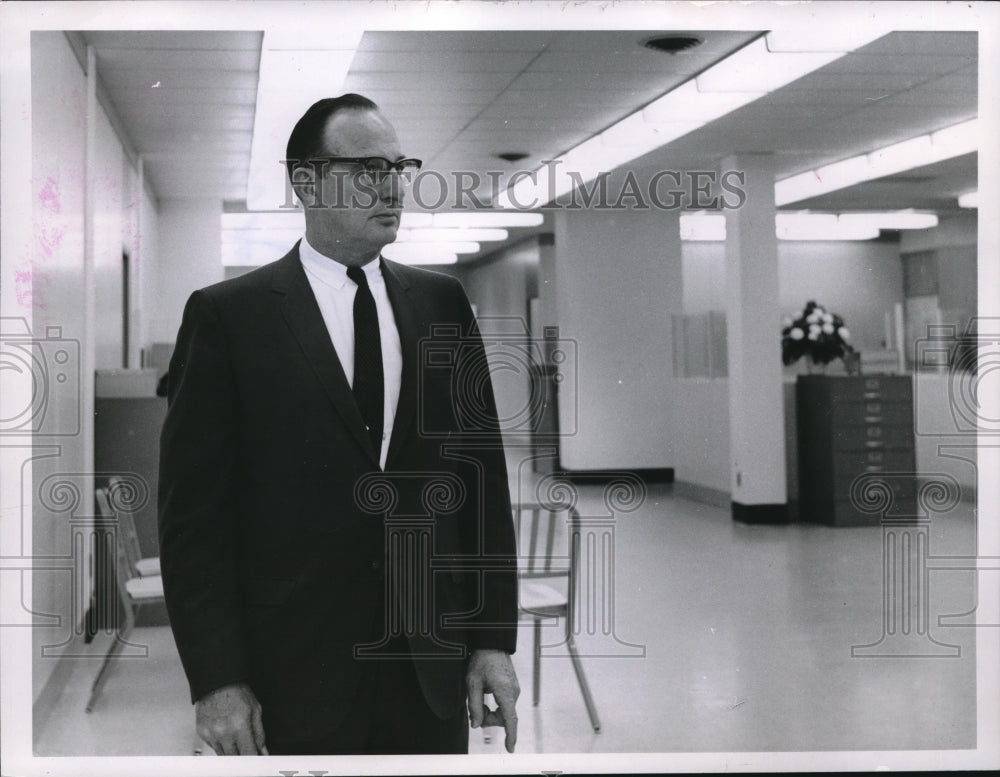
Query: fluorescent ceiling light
point(969, 200)
point(290, 219)
point(451, 246)
point(891, 220)
point(819, 226)
point(636, 131)
point(915, 152)
point(811, 226)
point(410, 253)
point(813, 38)
point(687, 102)
point(297, 68)
point(482, 219)
point(414, 220)
point(756, 69)
point(431, 234)
point(956, 140)
point(737, 80)
point(703, 226)
point(252, 254)
point(272, 236)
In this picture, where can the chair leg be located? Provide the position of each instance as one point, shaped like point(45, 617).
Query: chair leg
point(118, 641)
point(536, 678)
point(584, 688)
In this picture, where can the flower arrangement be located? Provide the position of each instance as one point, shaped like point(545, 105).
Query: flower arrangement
point(816, 333)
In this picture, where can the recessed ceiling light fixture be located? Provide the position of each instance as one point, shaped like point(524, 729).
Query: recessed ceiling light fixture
point(513, 156)
point(672, 44)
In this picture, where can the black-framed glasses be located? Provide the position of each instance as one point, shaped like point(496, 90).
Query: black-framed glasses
point(376, 169)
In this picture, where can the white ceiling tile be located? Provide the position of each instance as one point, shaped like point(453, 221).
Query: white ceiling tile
point(364, 83)
point(441, 62)
point(957, 82)
point(930, 99)
point(173, 97)
point(146, 77)
point(178, 59)
point(916, 64)
point(633, 61)
point(584, 42)
point(466, 40)
point(889, 82)
point(190, 40)
point(450, 94)
point(954, 43)
point(203, 123)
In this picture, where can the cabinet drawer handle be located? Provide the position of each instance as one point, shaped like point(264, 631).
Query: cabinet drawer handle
point(873, 395)
point(873, 419)
point(874, 468)
point(874, 444)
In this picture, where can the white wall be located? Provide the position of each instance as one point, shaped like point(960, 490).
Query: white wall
point(61, 490)
point(499, 288)
point(56, 279)
point(108, 191)
point(146, 273)
point(189, 257)
point(860, 280)
point(619, 281)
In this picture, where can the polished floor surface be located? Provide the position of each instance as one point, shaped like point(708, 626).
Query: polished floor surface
point(724, 637)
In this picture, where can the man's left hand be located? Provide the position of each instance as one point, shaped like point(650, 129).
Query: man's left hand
point(491, 671)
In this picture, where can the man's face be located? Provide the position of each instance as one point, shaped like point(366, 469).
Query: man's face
point(358, 216)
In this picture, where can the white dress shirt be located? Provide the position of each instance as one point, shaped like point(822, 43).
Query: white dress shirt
point(334, 292)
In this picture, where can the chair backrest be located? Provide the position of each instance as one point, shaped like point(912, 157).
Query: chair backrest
point(116, 546)
point(126, 550)
point(117, 501)
point(543, 539)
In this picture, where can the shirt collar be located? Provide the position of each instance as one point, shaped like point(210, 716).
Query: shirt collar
point(331, 272)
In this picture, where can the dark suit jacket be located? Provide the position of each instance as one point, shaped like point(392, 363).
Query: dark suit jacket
point(274, 513)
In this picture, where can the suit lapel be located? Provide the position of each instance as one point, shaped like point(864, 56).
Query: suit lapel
point(302, 314)
point(409, 326)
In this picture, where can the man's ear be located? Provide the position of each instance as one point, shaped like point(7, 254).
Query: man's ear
point(304, 185)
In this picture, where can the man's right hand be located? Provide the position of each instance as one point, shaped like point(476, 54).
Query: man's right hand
point(230, 722)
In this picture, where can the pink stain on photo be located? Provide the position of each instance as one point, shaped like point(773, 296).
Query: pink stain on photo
point(23, 287)
point(49, 195)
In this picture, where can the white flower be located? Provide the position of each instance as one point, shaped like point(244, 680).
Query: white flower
point(828, 329)
point(796, 334)
point(812, 318)
point(827, 318)
point(786, 322)
point(813, 334)
point(844, 333)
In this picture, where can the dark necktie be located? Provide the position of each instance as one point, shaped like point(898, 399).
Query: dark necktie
point(369, 382)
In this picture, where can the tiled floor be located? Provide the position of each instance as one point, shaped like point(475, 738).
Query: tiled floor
point(747, 635)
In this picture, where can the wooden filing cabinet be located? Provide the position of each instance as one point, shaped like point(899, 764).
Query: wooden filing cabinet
point(850, 426)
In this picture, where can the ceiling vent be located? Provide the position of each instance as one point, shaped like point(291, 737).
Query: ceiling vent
point(672, 44)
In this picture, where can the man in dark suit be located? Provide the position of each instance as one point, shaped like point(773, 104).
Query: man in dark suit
point(336, 537)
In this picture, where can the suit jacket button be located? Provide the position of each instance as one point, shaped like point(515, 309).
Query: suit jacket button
point(376, 565)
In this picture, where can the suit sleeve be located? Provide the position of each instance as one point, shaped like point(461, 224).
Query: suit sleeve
point(198, 545)
point(495, 625)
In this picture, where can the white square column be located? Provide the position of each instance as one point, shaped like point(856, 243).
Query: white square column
point(756, 404)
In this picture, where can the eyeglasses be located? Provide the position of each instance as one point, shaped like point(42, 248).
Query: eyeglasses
point(375, 169)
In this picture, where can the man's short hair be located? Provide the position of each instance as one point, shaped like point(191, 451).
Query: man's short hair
point(306, 140)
